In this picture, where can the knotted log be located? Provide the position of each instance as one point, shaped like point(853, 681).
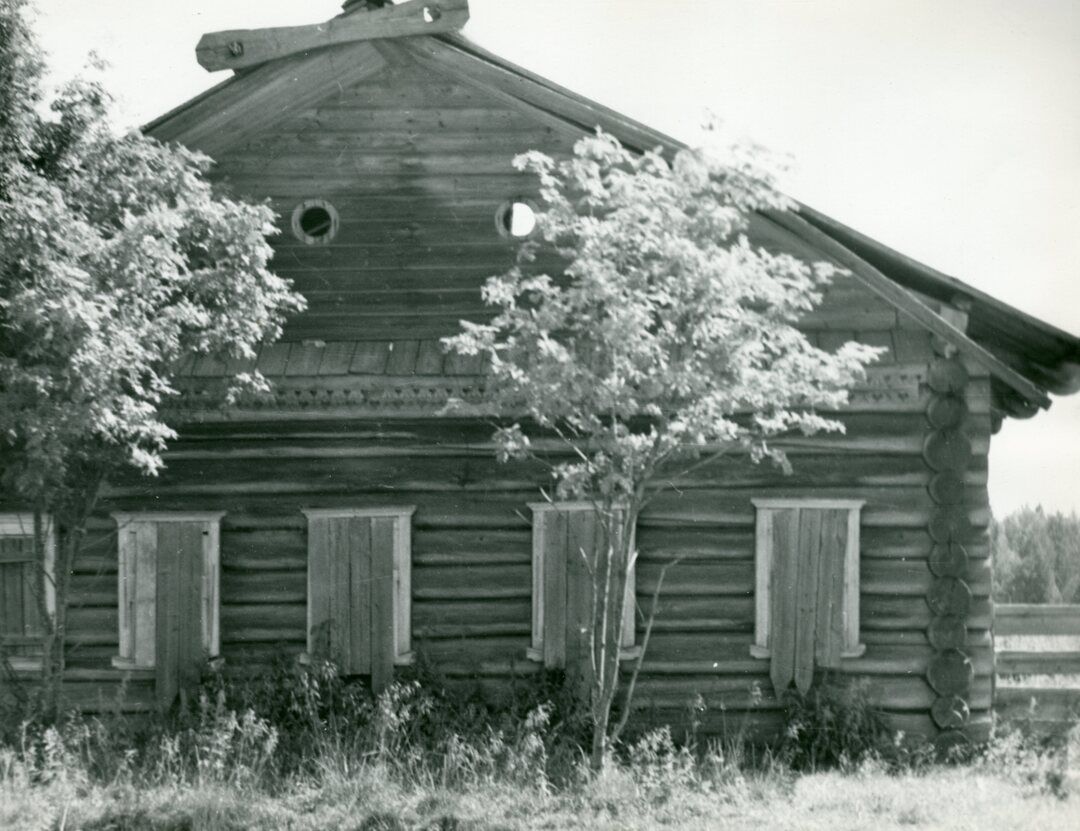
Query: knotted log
point(950, 523)
point(950, 673)
point(945, 411)
point(950, 712)
point(947, 488)
point(947, 376)
point(949, 596)
point(948, 560)
point(947, 450)
point(947, 632)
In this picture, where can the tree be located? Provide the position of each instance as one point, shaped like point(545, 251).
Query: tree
point(117, 259)
point(1036, 557)
point(668, 341)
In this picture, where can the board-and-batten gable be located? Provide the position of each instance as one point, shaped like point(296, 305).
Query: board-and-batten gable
point(410, 271)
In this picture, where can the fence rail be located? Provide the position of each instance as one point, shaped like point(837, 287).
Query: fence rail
point(1047, 707)
point(1036, 619)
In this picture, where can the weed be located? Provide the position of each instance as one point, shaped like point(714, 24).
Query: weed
point(834, 724)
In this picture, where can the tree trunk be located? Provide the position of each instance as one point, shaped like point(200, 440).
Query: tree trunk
point(74, 530)
point(598, 754)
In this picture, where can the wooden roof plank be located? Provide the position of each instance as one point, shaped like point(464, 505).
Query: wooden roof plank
point(249, 102)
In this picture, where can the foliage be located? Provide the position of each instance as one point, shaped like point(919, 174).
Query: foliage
point(833, 724)
point(221, 767)
point(666, 341)
point(1036, 557)
point(117, 259)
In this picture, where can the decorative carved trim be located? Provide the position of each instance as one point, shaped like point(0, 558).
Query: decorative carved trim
point(886, 388)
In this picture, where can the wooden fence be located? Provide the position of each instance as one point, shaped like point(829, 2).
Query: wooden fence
point(1046, 705)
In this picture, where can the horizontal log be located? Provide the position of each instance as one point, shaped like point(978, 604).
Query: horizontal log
point(717, 579)
point(1036, 619)
point(472, 582)
point(238, 636)
point(257, 587)
point(889, 612)
point(236, 619)
point(280, 549)
point(427, 613)
point(471, 630)
point(357, 469)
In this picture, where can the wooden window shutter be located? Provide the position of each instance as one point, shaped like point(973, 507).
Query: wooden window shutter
point(807, 587)
point(562, 586)
point(25, 587)
point(359, 589)
point(169, 575)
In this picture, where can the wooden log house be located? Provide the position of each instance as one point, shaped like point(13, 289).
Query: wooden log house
point(344, 515)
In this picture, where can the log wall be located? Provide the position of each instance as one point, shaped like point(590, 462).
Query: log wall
point(472, 546)
point(417, 161)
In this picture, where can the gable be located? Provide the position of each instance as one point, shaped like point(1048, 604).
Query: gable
point(414, 138)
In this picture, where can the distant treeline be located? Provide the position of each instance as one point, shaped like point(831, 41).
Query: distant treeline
point(1036, 557)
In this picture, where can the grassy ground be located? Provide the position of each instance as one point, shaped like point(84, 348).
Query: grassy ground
point(306, 750)
point(940, 798)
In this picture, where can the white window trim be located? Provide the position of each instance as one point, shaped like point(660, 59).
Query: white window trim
point(763, 552)
point(402, 599)
point(127, 530)
point(628, 648)
point(21, 524)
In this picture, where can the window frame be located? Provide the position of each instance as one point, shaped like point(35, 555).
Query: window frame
point(763, 554)
point(402, 594)
point(211, 577)
point(21, 524)
point(628, 646)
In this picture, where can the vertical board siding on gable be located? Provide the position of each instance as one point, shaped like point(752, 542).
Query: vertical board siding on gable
point(416, 163)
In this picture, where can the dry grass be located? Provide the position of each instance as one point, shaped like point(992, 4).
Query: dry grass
point(940, 798)
point(335, 760)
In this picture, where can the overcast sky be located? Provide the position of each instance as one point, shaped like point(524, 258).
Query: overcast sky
point(948, 129)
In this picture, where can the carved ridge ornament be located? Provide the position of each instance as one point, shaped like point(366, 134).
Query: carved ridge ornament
point(884, 388)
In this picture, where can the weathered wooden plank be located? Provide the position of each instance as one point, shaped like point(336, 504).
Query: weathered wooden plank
point(829, 634)
point(555, 557)
point(239, 48)
point(168, 628)
point(319, 588)
point(1036, 619)
point(784, 599)
point(1016, 662)
point(381, 627)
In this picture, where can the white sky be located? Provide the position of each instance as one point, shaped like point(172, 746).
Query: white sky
point(949, 130)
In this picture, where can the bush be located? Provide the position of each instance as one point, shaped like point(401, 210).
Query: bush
point(834, 724)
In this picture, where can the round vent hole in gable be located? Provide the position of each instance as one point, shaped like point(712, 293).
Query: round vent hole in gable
point(515, 218)
point(315, 222)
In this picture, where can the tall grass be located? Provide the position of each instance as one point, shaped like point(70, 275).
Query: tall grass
point(302, 748)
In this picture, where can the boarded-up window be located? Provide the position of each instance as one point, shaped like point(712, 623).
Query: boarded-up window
point(565, 539)
point(26, 588)
point(359, 589)
point(807, 588)
point(168, 582)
